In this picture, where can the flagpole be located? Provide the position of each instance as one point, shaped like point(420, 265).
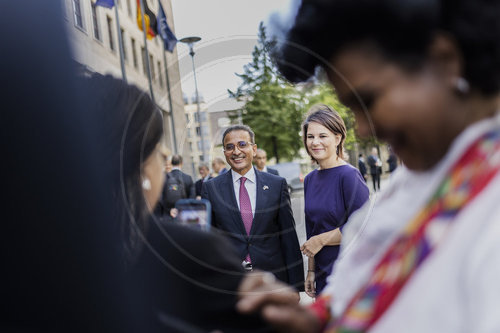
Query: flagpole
point(146, 50)
point(120, 43)
point(170, 99)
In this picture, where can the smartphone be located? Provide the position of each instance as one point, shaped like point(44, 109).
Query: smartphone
point(194, 212)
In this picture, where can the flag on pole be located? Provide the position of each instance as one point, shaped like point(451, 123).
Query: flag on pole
point(165, 32)
point(105, 3)
point(149, 19)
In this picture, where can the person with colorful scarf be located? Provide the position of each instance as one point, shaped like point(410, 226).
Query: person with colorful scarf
point(424, 76)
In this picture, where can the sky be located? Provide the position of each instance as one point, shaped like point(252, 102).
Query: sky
point(228, 29)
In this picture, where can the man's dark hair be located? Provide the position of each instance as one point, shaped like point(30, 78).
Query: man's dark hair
point(176, 160)
point(239, 128)
point(401, 30)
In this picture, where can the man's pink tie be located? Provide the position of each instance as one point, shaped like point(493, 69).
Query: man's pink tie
point(245, 209)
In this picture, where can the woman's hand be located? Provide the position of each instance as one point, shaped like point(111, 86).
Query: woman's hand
point(174, 212)
point(277, 302)
point(309, 285)
point(312, 246)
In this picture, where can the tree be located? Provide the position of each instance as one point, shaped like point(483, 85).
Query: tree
point(273, 107)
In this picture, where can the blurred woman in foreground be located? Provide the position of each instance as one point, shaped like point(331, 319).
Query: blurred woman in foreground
point(185, 279)
point(425, 77)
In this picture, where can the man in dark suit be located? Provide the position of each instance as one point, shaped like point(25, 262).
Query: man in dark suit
point(186, 179)
point(252, 208)
point(178, 185)
point(362, 166)
point(205, 175)
point(260, 162)
point(375, 168)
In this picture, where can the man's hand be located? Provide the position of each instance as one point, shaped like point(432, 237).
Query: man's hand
point(277, 302)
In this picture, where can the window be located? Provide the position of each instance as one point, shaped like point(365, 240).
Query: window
point(110, 33)
point(122, 36)
point(198, 131)
point(204, 129)
point(134, 54)
point(196, 118)
point(152, 65)
point(77, 10)
point(144, 67)
point(203, 116)
point(208, 143)
point(187, 118)
point(95, 22)
point(199, 145)
point(190, 146)
point(160, 76)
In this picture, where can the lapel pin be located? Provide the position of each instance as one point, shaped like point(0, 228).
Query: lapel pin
point(265, 187)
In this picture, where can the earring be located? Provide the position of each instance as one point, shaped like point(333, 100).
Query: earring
point(461, 85)
point(146, 184)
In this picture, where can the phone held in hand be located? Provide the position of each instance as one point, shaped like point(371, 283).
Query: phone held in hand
point(194, 212)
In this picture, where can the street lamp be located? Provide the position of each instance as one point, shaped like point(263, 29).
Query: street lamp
point(190, 42)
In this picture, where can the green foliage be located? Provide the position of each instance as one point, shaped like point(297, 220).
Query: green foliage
point(273, 107)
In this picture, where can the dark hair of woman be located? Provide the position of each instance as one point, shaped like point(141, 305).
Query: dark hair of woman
point(401, 31)
point(134, 127)
point(328, 117)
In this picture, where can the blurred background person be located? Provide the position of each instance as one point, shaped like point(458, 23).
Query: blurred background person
point(332, 192)
point(362, 166)
point(261, 160)
point(204, 171)
point(392, 160)
point(375, 168)
point(218, 166)
point(424, 76)
point(178, 185)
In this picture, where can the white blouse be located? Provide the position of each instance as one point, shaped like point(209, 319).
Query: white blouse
point(457, 289)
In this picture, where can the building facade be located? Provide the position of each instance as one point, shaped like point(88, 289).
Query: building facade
point(198, 132)
point(94, 39)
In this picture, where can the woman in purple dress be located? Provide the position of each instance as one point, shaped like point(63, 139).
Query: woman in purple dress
point(332, 193)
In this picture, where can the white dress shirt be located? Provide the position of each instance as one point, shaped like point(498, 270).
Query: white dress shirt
point(250, 185)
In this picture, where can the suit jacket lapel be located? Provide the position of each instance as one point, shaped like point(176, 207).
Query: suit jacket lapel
point(259, 201)
point(230, 198)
